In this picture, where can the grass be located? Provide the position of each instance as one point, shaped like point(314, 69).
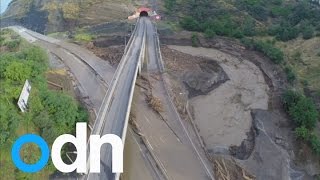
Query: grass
point(83, 37)
point(30, 153)
point(303, 57)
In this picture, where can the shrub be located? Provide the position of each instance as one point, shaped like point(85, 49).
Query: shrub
point(297, 56)
point(267, 48)
point(190, 24)
point(209, 33)
point(13, 45)
point(2, 39)
point(315, 143)
point(308, 32)
point(291, 76)
point(290, 98)
point(304, 113)
point(83, 37)
point(302, 133)
point(284, 31)
point(195, 40)
point(249, 28)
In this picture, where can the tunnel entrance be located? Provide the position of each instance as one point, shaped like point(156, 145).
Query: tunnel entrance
point(144, 14)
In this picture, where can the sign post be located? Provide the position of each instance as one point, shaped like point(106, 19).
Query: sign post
point(24, 96)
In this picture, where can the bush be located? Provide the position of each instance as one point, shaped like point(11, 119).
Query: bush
point(284, 31)
point(190, 24)
point(267, 48)
point(291, 98)
point(13, 44)
point(2, 39)
point(195, 40)
point(315, 143)
point(304, 113)
point(83, 37)
point(291, 76)
point(302, 133)
point(209, 33)
point(249, 28)
point(308, 32)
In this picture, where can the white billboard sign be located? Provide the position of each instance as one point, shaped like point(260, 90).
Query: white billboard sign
point(24, 96)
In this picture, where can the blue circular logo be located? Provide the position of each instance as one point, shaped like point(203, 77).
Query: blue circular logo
point(25, 139)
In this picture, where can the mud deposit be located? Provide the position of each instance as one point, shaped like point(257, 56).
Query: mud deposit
point(208, 76)
point(223, 115)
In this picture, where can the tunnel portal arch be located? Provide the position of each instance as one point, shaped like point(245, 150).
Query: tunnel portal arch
point(144, 14)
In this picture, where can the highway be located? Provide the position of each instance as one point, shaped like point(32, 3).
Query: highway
point(114, 116)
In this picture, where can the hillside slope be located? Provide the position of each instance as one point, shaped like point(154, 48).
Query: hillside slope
point(63, 15)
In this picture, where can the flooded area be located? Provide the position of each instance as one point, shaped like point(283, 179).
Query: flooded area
point(223, 115)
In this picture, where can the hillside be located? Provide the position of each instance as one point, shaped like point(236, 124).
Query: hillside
point(63, 15)
point(285, 31)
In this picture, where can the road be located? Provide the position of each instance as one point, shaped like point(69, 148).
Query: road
point(92, 73)
point(115, 106)
point(115, 120)
point(182, 160)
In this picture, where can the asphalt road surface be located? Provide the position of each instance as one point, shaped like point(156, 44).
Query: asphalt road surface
point(116, 115)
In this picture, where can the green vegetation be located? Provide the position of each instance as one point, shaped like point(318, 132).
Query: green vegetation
point(288, 20)
point(291, 76)
point(265, 47)
point(170, 5)
point(49, 114)
point(83, 37)
point(305, 116)
point(267, 26)
point(308, 32)
point(195, 40)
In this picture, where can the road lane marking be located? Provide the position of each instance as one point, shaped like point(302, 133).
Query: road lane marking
point(147, 119)
point(162, 140)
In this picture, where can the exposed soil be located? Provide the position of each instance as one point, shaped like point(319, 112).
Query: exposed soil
point(106, 41)
point(207, 78)
point(223, 115)
point(113, 54)
point(269, 149)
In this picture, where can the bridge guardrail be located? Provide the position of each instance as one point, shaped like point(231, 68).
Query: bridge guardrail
point(141, 56)
point(107, 98)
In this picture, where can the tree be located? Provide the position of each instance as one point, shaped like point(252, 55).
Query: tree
point(249, 27)
point(190, 24)
point(170, 5)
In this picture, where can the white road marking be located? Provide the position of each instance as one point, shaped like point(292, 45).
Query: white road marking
point(132, 135)
point(162, 140)
point(147, 119)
